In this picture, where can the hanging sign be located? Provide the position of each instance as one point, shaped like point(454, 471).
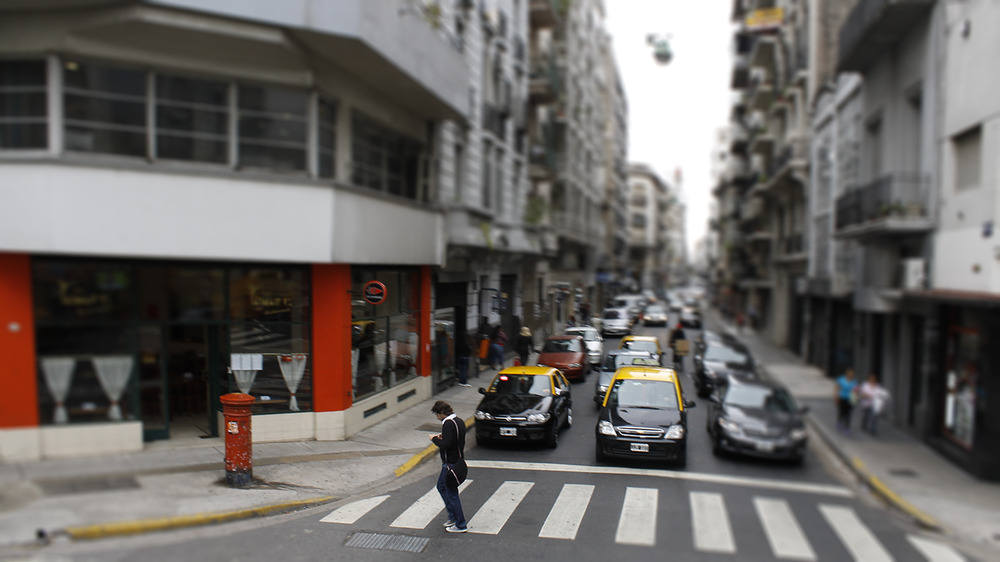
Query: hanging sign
point(374, 292)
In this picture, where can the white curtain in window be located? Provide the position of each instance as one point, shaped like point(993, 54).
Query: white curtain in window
point(113, 372)
point(58, 375)
point(292, 369)
point(244, 379)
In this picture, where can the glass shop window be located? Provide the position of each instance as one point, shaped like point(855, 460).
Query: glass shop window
point(81, 291)
point(965, 386)
point(269, 295)
point(192, 119)
point(104, 108)
point(23, 105)
point(273, 123)
point(279, 371)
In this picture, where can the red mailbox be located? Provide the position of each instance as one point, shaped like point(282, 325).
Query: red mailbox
point(239, 444)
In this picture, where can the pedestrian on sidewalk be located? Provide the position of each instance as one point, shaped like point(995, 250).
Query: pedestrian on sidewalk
point(463, 351)
point(524, 346)
point(498, 343)
point(872, 397)
point(846, 395)
point(451, 442)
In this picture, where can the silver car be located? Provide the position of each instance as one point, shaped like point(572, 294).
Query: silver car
point(616, 322)
point(592, 339)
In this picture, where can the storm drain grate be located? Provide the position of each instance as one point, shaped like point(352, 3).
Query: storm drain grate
point(379, 541)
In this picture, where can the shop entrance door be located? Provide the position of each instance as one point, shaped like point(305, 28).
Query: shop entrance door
point(181, 374)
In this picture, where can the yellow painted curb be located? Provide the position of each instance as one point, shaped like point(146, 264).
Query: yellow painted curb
point(427, 453)
point(119, 528)
point(887, 494)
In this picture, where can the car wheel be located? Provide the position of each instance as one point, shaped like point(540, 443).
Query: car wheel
point(553, 438)
point(569, 418)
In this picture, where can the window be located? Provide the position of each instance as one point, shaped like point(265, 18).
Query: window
point(487, 160)
point(105, 109)
point(327, 138)
point(272, 128)
point(192, 119)
point(639, 220)
point(23, 108)
point(968, 159)
point(383, 160)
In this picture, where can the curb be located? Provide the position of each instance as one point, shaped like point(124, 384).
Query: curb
point(429, 451)
point(122, 528)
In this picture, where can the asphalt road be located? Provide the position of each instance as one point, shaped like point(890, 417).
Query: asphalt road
point(535, 503)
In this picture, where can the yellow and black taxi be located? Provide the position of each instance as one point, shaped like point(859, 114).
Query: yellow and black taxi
point(525, 403)
point(643, 416)
point(643, 343)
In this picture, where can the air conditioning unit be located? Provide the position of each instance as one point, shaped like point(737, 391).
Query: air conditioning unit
point(914, 274)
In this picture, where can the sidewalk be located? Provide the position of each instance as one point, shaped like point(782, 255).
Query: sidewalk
point(895, 465)
point(174, 484)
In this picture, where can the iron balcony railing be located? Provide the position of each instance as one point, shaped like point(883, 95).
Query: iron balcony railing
point(794, 149)
point(545, 76)
point(900, 194)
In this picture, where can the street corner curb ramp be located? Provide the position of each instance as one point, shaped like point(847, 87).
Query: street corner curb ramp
point(418, 459)
point(122, 528)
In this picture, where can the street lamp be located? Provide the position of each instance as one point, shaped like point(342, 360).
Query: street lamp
point(662, 53)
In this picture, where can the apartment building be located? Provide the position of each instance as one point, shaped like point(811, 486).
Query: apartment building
point(210, 197)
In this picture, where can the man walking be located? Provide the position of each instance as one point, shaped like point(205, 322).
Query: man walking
point(451, 441)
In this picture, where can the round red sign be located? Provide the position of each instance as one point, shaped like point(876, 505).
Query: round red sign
point(374, 292)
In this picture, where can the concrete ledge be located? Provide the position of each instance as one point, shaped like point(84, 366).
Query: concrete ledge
point(419, 458)
point(121, 528)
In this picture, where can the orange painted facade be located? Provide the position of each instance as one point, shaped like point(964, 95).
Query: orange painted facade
point(19, 399)
point(331, 337)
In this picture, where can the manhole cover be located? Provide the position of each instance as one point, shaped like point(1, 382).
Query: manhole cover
point(902, 472)
point(380, 541)
point(82, 485)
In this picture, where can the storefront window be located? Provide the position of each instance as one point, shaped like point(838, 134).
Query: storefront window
point(385, 338)
point(963, 378)
point(269, 295)
point(280, 365)
point(82, 291)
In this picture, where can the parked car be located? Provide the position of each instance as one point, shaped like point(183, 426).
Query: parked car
point(592, 339)
point(613, 360)
point(655, 315)
point(690, 318)
point(759, 419)
point(525, 403)
point(717, 363)
point(643, 343)
point(616, 322)
point(566, 352)
point(643, 416)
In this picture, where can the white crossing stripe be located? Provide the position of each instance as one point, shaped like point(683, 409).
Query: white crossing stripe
point(492, 516)
point(637, 523)
point(854, 534)
point(935, 551)
point(567, 513)
point(783, 530)
point(424, 510)
point(350, 513)
point(712, 532)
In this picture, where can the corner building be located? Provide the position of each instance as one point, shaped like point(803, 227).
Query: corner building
point(195, 196)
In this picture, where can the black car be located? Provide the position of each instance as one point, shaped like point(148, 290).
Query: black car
point(690, 318)
point(722, 338)
point(759, 419)
point(718, 362)
point(614, 359)
point(525, 403)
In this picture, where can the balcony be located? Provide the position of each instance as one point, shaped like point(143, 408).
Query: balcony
point(873, 27)
point(792, 249)
point(543, 13)
point(545, 80)
point(741, 73)
point(794, 155)
point(738, 139)
point(896, 204)
point(761, 94)
point(762, 143)
point(764, 52)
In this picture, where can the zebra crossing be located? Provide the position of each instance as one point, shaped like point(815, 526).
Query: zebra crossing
point(712, 531)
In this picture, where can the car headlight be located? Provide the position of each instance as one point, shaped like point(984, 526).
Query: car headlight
point(602, 388)
point(799, 434)
point(538, 418)
point(574, 365)
point(730, 427)
point(481, 415)
point(675, 432)
point(604, 427)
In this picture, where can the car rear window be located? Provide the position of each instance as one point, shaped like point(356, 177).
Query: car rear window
point(537, 385)
point(562, 346)
point(640, 346)
point(773, 400)
point(612, 314)
point(633, 393)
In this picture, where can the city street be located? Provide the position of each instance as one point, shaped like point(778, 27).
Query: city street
point(531, 502)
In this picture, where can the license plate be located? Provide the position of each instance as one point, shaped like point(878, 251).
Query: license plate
point(508, 431)
point(639, 447)
point(765, 446)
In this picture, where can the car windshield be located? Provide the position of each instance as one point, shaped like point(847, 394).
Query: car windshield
point(562, 346)
point(613, 314)
point(537, 385)
point(643, 394)
point(656, 310)
point(723, 354)
point(760, 397)
point(640, 345)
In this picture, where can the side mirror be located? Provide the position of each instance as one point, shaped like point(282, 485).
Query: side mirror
point(482, 391)
point(689, 404)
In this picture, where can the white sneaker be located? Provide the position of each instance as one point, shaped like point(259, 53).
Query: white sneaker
point(449, 523)
point(454, 529)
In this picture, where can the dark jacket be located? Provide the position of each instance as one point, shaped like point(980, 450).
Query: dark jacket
point(452, 440)
point(524, 345)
